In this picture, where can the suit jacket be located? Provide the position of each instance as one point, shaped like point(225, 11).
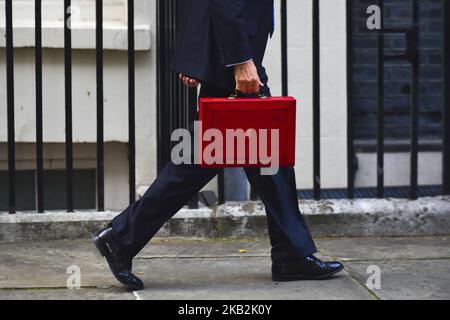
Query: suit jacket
point(213, 34)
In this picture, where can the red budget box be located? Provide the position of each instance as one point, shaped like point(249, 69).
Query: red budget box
point(247, 132)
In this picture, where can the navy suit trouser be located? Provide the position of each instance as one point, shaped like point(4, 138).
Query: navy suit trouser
point(177, 184)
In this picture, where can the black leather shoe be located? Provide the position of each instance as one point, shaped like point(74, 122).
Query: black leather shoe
point(119, 262)
point(310, 268)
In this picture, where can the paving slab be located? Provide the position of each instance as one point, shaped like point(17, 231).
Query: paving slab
point(109, 293)
point(411, 268)
point(408, 279)
point(45, 264)
point(386, 248)
point(247, 247)
point(236, 279)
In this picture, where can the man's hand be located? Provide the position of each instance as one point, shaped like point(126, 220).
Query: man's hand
point(189, 82)
point(247, 78)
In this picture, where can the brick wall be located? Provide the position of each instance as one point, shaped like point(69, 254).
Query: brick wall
point(398, 13)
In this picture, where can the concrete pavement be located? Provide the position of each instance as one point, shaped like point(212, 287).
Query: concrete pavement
point(411, 268)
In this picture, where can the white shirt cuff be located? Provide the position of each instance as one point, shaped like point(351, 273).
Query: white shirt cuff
point(236, 64)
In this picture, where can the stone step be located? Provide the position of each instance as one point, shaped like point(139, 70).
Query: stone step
point(327, 218)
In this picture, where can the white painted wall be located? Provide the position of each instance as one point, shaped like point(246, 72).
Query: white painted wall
point(82, 23)
point(333, 82)
point(397, 169)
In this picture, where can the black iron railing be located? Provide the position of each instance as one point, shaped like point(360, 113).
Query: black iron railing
point(167, 15)
point(68, 102)
point(100, 117)
point(351, 157)
point(68, 105)
point(176, 104)
point(316, 99)
point(131, 104)
point(39, 118)
point(412, 56)
point(10, 107)
point(446, 107)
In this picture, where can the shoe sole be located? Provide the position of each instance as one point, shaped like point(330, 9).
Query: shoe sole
point(101, 248)
point(299, 277)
